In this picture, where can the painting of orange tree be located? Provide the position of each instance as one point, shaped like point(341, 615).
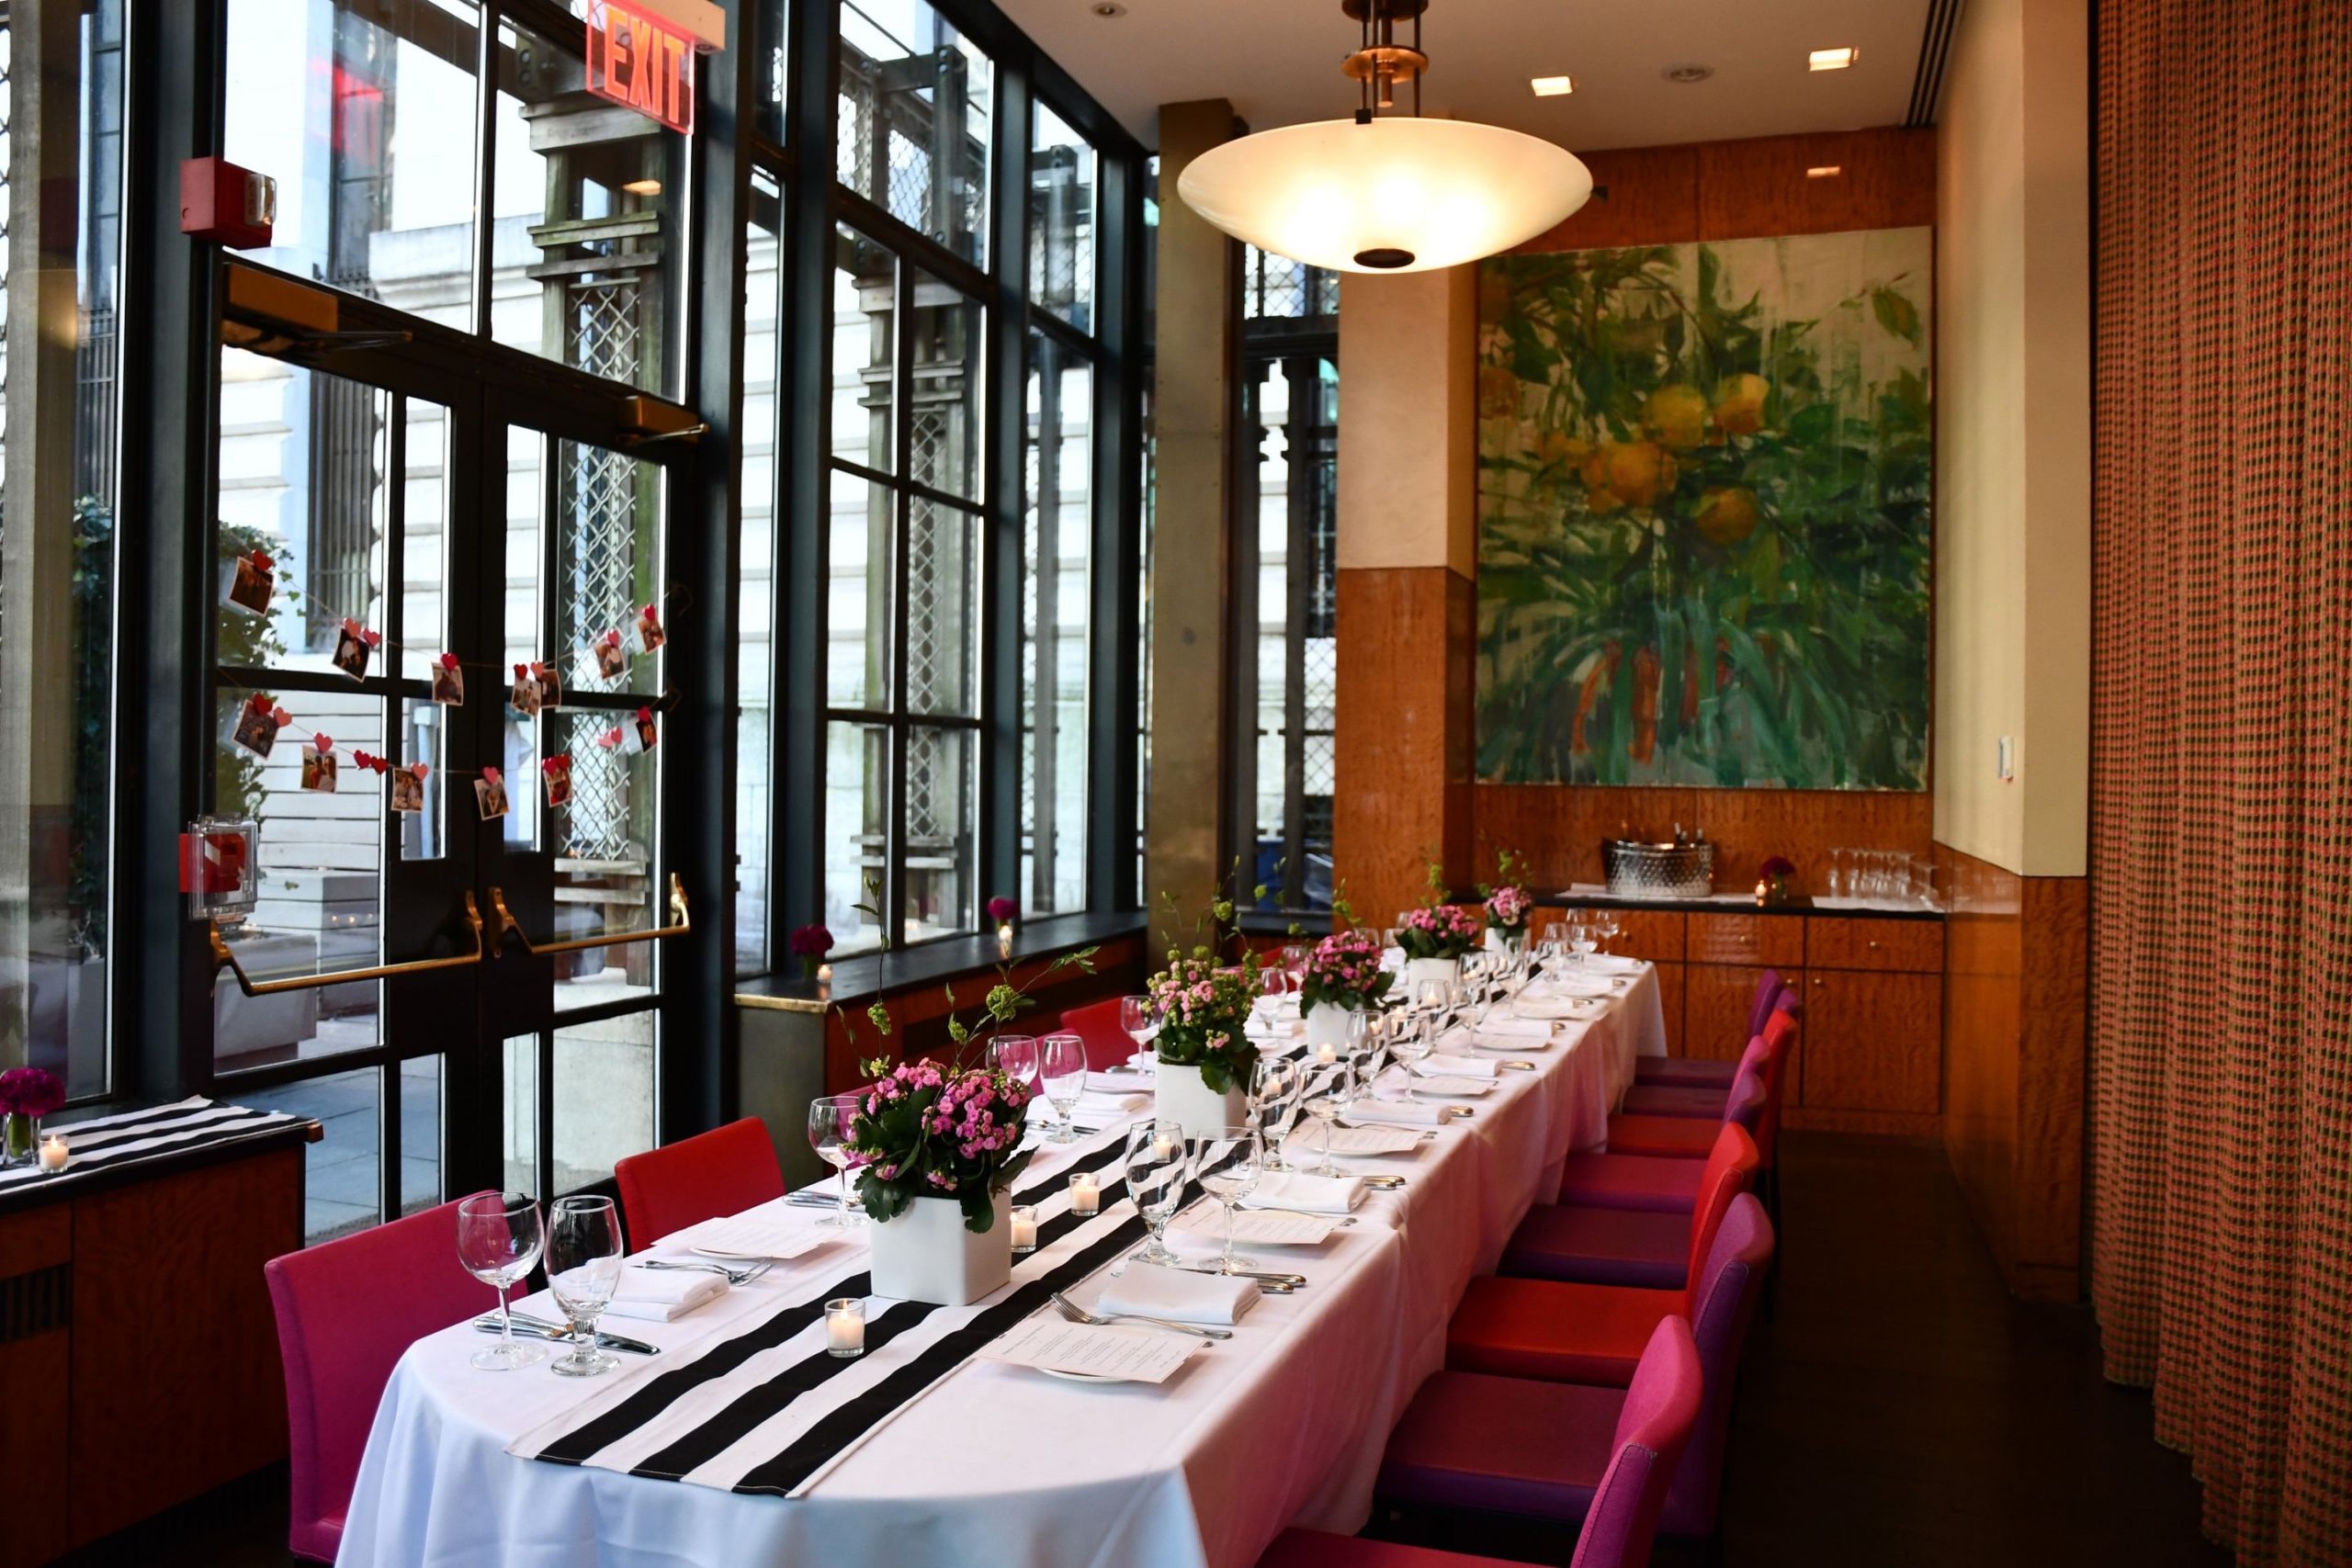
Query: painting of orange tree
point(1703, 480)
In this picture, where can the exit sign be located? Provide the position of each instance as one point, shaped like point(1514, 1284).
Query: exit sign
point(642, 62)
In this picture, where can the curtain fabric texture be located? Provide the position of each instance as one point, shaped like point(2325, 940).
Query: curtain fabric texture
point(2222, 853)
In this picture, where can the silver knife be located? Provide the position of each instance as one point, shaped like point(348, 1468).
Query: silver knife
point(539, 1328)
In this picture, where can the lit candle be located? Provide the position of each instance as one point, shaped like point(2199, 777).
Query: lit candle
point(1025, 1228)
point(1162, 1147)
point(1326, 1054)
point(845, 1326)
point(1085, 1198)
point(1004, 940)
point(53, 1152)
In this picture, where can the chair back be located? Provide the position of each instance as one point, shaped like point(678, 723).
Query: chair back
point(1779, 1037)
point(1654, 1426)
point(723, 1171)
point(1730, 1170)
point(1737, 1265)
point(1097, 1023)
point(1769, 986)
point(345, 1312)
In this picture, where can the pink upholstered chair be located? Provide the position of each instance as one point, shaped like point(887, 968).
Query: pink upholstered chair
point(1705, 1072)
point(1472, 1440)
point(723, 1171)
point(1779, 1033)
point(1097, 1023)
point(1653, 1427)
point(345, 1312)
point(1628, 1246)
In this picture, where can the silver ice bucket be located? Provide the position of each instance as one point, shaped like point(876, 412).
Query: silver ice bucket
point(1636, 870)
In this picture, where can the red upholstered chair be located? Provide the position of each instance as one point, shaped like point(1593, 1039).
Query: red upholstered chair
point(1778, 1033)
point(345, 1312)
point(723, 1171)
point(1564, 1333)
point(1097, 1023)
point(1471, 1441)
point(1628, 1246)
point(1683, 1137)
point(1654, 1420)
point(1707, 1072)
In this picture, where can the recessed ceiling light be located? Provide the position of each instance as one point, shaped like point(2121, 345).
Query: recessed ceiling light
point(1687, 74)
point(643, 187)
point(1551, 86)
point(1824, 170)
point(1832, 59)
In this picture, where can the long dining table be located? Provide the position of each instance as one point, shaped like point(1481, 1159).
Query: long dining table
point(1283, 1424)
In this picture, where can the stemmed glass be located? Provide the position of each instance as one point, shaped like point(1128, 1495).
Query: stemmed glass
point(1159, 1164)
point(1584, 935)
point(1139, 1021)
point(1411, 1046)
point(1015, 1055)
point(1295, 962)
point(1332, 1104)
point(584, 1252)
point(498, 1241)
point(1229, 1162)
point(1062, 1071)
point(1272, 1104)
point(832, 1119)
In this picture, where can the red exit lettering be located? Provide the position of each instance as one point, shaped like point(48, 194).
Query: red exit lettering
point(636, 60)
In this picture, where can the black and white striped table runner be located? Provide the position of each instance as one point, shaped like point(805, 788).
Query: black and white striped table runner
point(104, 1143)
point(767, 1410)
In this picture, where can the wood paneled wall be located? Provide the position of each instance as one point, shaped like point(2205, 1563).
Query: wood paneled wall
point(2017, 956)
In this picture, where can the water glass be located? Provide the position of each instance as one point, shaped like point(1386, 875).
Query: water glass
point(498, 1241)
point(1015, 1055)
point(1139, 1021)
point(1062, 1071)
point(1274, 1104)
point(1159, 1165)
point(584, 1257)
point(831, 1119)
point(1228, 1162)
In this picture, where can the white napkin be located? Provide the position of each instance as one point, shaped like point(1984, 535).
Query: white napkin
point(664, 1295)
point(1152, 1292)
point(1398, 1114)
point(1442, 1067)
point(1508, 1028)
point(1143, 1062)
point(1122, 1082)
point(1612, 964)
point(1314, 1194)
point(1553, 1007)
point(1126, 1103)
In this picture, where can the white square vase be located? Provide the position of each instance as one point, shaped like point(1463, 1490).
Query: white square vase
point(1179, 1095)
point(925, 1254)
point(1327, 1025)
point(1446, 972)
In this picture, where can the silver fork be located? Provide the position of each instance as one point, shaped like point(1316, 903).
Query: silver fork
point(743, 1276)
point(1077, 1314)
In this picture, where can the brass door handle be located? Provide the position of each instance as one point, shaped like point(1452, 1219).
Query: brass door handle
point(508, 925)
point(223, 958)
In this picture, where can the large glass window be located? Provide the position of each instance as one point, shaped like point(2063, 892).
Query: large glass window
point(913, 127)
point(1061, 221)
point(61, 199)
point(756, 600)
point(1056, 539)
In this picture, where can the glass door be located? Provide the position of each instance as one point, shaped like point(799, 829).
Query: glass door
point(440, 695)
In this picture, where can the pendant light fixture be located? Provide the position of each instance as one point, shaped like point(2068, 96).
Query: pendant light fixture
point(1385, 192)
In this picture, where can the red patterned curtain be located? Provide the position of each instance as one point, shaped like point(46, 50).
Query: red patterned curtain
point(2222, 787)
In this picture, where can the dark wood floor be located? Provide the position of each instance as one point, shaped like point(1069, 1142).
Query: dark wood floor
point(1899, 1409)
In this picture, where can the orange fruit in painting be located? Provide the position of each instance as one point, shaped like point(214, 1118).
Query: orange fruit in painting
point(1726, 516)
point(1677, 415)
point(1639, 472)
point(1739, 404)
point(1562, 449)
point(1497, 393)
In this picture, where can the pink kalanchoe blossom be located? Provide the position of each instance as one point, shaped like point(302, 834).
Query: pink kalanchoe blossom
point(1508, 909)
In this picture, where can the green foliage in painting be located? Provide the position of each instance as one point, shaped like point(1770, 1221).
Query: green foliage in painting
point(1703, 488)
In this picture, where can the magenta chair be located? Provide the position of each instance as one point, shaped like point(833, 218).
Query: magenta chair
point(1627, 1246)
point(1778, 1032)
point(345, 1310)
point(1490, 1443)
point(1703, 1072)
point(1097, 1023)
point(1653, 1422)
point(723, 1171)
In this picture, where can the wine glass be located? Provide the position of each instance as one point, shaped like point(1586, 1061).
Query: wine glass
point(1294, 960)
point(1159, 1164)
point(1274, 1104)
point(1015, 1055)
point(584, 1253)
point(498, 1241)
point(1139, 1021)
point(1338, 1094)
point(1229, 1162)
point(1584, 935)
point(832, 1118)
point(1062, 1071)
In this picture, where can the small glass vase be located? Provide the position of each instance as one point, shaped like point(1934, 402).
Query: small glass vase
point(20, 1143)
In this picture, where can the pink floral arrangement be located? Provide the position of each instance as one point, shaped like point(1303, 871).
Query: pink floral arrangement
point(1345, 971)
point(1778, 865)
point(809, 944)
point(1441, 930)
point(1508, 909)
point(928, 1131)
point(1204, 1009)
point(1001, 909)
point(30, 1091)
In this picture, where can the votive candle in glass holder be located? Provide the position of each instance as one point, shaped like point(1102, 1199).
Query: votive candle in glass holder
point(1085, 1195)
point(845, 1326)
point(1025, 1229)
point(55, 1152)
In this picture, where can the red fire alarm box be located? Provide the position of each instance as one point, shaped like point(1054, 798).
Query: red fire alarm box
point(225, 203)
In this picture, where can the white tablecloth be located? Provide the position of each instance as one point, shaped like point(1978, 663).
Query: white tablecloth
point(1283, 1424)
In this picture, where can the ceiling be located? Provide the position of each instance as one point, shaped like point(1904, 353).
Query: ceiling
point(1278, 61)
